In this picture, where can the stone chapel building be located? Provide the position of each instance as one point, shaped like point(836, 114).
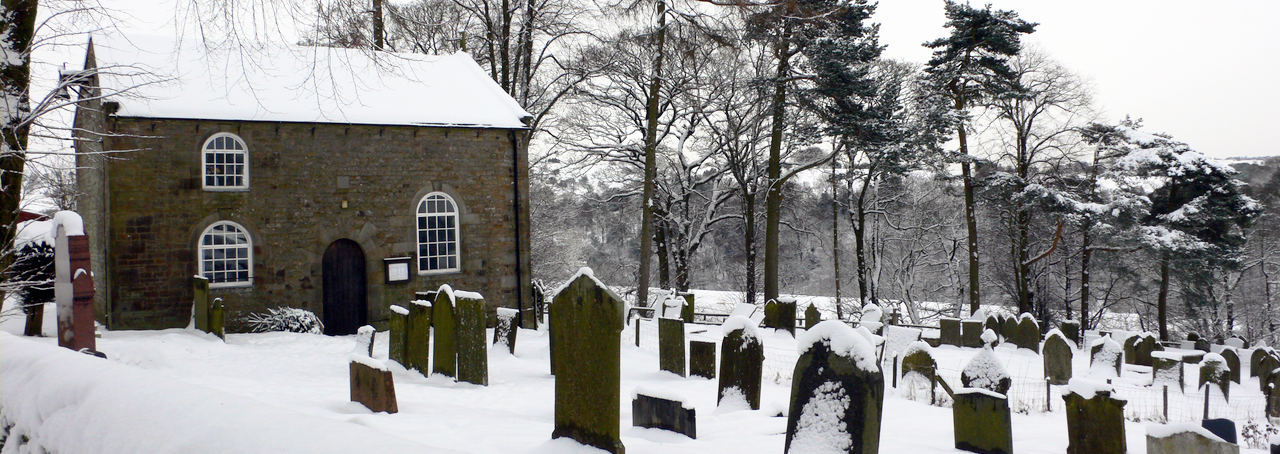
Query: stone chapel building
point(332, 180)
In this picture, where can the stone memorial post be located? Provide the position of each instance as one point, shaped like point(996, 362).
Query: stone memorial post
point(671, 350)
point(586, 323)
point(811, 317)
point(504, 333)
point(702, 359)
point(444, 322)
point(687, 312)
point(417, 341)
point(73, 284)
point(1057, 355)
point(949, 331)
point(469, 332)
point(200, 304)
point(1095, 420)
point(396, 335)
point(837, 393)
point(741, 361)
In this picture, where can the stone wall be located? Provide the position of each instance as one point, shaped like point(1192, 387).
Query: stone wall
point(152, 209)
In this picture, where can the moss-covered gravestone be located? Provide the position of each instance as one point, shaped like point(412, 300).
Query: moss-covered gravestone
point(687, 312)
point(444, 323)
point(504, 333)
point(787, 314)
point(1071, 329)
point(1167, 369)
point(1106, 357)
point(811, 317)
point(372, 385)
point(982, 421)
point(949, 331)
point(218, 319)
point(971, 333)
point(771, 314)
point(702, 359)
point(1057, 356)
point(1095, 420)
point(837, 393)
point(671, 345)
point(1131, 349)
point(1028, 336)
point(1213, 369)
point(469, 333)
point(741, 362)
point(396, 334)
point(417, 341)
point(586, 324)
point(918, 360)
point(1233, 363)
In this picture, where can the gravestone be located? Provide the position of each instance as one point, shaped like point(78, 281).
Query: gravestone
point(671, 345)
point(672, 307)
point(811, 317)
point(1255, 359)
point(539, 303)
point(919, 360)
point(993, 323)
point(469, 332)
point(898, 338)
point(1057, 356)
point(741, 362)
point(1071, 329)
point(586, 324)
point(1268, 365)
point(984, 371)
point(982, 421)
point(658, 413)
point(396, 334)
point(971, 333)
point(73, 283)
point(702, 359)
point(1213, 369)
point(200, 304)
point(504, 333)
point(771, 314)
point(787, 314)
point(417, 341)
point(1203, 345)
point(687, 312)
point(1163, 439)
point(1233, 363)
point(837, 393)
point(949, 332)
point(1167, 369)
point(1131, 349)
point(1009, 325)
point(1271, 391)
point(1028, 336)
point(445, 324)
point(218, 319)
point(1145, 348)
point(1193, 336)
point(372, 385)
point(1095, 420)
point(364, 341)
point(1222, 427)
point(1106, 357)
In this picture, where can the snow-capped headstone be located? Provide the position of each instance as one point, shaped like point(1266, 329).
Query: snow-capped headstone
point(1213, 369)
point(396, 334)
point(671, 349)
point(469, 333)
point(982, 421)
point(811, 317)
point(673, 307)
point(1095, 420)
point(702, 359)
point(837, 393)
point(364, 340)
point(504, 332)
point(1203, 345)
point(687, 312)
point(372, 384)
point(1233, 362)
point(73, 283)
point(200, 303)
point(662, 413)
point(1167, 369)
point(1186, 438)
point(918, 360)
point(1146, 347)
point(444, 323)
point(417, 342)
point(787, 314)
point(586, 323)
point(993, 323)
point(1009, 326)
point(1106, 357)
point(971, 333)
point(741, 362)
point(770, 314)
point(1057, 355)
point(1028, 335)
point(984, 371)
point(1071, 329)
point(949, 331)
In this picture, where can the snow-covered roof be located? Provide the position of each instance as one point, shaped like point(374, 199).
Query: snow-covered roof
point(167, 77)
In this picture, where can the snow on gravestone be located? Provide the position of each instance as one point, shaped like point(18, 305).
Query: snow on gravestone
point(1095, 420)
point(741, 363)
point(1255, 360)
point(1213, 369)
point(586, 324)
point(371, 383)
point(1028, 335)
point(671, 352)
point(364, 340)
point(672, 307)
point(1009, 325)
point(919, 368)
point(993, 323)
point(897, 338)
point(1166, 368)
point(444, 323)
point(1071, 329)
point(984, 371)
point(1105, 358)
point(73, 282)
point(396, 334)
point(837, 393)
point(417, 341)
point(1233, 362)
point(662, 409)
point(872, 318)
point(504, 333)
point(787, 314)
point(687, 312)
point(1186, 438)
point(469, 332)
point(1057, 355)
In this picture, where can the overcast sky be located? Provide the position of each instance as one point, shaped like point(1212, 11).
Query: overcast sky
point(1206, 72)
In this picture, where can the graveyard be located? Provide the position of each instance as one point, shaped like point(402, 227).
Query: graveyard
point(187, 390)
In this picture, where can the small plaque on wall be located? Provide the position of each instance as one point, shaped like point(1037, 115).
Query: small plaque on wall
point(397, 269)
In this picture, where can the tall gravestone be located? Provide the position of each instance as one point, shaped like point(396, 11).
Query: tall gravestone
point(1106, 357)
point(200, 304)
point(741, 362)
point(811, 317)
point(1057, 355)
point(1071, 329)
point(504, 333)
point(364, 340)
point(949, 331)
point(586, 323)
point(992, 323)
point(687, 313)
point(837, 393)
point(771, 314)
point(444, 324)
point(787, 314)
point(1095, 420)
point(1233, 362)
point(1028, 336)
point(671, 350)
point(1010, 326)
point(1145, 348)
point(218, 319)
point(469, 333)
point(73, 283)
point(702, 359)
point(1255, 360)
point(417, 342)
point(1268, 365)
point(396, 334)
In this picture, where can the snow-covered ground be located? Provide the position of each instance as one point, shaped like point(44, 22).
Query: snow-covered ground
point(184, 391)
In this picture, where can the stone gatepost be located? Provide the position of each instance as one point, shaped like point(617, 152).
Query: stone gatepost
point(982, 421)
point(837, 393)
point(1095, 420)
point(671, 353)
point(417, 341)
point(702, 359)
point(1233, 362)
point(73, 283)
point(469, 332)
point(1028, 336)
point(971, 333)
point(396, 334)
point(949, 333)
point(504, 333)
point(741, 362)
point(1057, 355)
point(586, 324)
point(372, 385)
point(811, 317)
point(444, 323)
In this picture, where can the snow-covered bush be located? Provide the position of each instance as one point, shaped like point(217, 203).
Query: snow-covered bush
point(985, 371)
point(288, 319)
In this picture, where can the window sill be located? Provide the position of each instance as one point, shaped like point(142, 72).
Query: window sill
point(231, 285)
point(440, 272)
point(220, 189)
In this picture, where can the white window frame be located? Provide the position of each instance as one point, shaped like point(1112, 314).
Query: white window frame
point(423, 215)
point(204, 164)
point(247, 246)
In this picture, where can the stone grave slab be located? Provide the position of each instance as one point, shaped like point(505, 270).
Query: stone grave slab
point(702, 359)
point(949, 331)
point(671, 349)
point(983, 422)
point(469, 335)
point(372, 385)
point(666, 414)
point(1057, 356)
point(1095, 420)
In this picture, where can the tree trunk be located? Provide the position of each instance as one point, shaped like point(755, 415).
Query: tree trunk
point(379, 36)
point(1162, 301)
point(1023, 269)
point(859, 246)
point(749, 235)
point(660, 238)
point(835, 239)
point(970, 215)
point(773, 197)
point(650, 160)
point(17, 25)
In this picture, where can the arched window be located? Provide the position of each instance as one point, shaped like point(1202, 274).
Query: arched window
point(226, 255)
point(437, 234)
point(226, 162)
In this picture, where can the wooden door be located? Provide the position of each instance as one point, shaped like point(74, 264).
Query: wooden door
point(345, 307)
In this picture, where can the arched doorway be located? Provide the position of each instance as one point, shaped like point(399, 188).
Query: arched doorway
point(345, 307)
